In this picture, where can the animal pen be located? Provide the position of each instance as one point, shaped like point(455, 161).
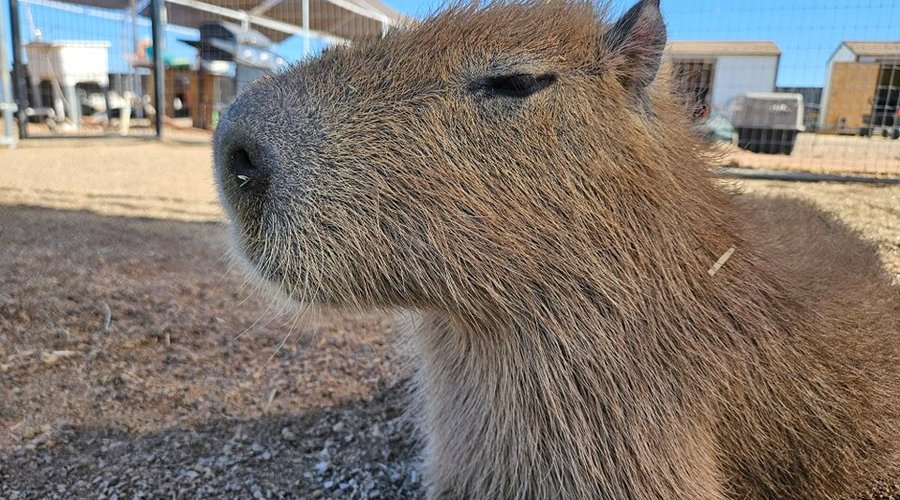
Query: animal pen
point(90, 67)
point(817, 90)
point(137, 359)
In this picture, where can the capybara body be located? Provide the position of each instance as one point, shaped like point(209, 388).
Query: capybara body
point(521, 179)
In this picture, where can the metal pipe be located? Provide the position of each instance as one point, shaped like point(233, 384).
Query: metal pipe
point(6, 105)
point(20, 86)
point(305, 28)
point(776, 175)
point(362, 11)
point(263, 7)
point(265, 22)
point(135, 77)
point(159, 70)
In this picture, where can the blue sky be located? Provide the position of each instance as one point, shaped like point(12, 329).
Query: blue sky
point(807, 31)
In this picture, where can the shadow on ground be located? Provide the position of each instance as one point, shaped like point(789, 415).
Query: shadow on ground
point(361, 449)
point(133, 361)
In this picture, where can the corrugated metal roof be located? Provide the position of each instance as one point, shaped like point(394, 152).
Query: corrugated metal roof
point(874, 49)
point(714, 48)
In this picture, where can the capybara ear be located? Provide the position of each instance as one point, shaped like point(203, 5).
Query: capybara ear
point(639, 38)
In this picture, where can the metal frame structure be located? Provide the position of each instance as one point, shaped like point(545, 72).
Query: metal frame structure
point(20, 86)
point(255, 17)
point(697, 76)
point(159, 70)
point(156, 10)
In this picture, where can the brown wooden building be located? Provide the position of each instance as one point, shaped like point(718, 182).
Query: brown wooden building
point(862, 87)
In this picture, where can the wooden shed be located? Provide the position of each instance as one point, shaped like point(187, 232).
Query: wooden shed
point(862, 88)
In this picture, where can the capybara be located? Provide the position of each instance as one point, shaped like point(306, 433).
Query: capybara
point(596, 316)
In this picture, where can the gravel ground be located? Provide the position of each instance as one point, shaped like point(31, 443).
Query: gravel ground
point(128, 177)
point(135, 363)
point(357, 450)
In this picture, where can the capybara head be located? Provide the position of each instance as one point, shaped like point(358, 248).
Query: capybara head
point(456, 162)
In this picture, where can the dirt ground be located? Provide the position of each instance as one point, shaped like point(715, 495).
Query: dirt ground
point(129, 177)
point(136, 361)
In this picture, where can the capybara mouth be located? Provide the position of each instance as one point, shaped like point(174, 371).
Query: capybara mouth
point(253, 254)
point(276, 264)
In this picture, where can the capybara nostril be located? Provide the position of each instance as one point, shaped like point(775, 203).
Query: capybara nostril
point(242, 166)
point(247, 172)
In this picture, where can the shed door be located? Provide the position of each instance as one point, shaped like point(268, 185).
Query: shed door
point(851, 94)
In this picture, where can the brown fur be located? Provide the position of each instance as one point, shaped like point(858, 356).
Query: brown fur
point(555, 249)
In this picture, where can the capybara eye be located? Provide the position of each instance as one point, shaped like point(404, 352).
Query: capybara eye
point(518, 85)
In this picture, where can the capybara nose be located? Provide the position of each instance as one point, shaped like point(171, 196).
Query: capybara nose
point(242, 160)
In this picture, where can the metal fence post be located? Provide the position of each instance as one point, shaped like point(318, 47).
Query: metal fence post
point(7, 106)
point(20, 88)
point(159, 70)
point(304, 10)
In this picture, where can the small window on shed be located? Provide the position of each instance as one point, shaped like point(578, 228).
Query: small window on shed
point(695, 79)
point(886, 104)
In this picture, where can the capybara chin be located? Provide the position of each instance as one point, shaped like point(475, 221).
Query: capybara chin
point(521, 178)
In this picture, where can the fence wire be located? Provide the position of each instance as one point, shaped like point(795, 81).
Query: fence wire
point(811, 85)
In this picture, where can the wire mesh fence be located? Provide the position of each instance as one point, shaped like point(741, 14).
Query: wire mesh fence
point(88, 67)
point(797, 85)
point(811, 85)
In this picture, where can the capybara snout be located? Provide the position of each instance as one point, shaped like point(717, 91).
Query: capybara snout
point(437, 152)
